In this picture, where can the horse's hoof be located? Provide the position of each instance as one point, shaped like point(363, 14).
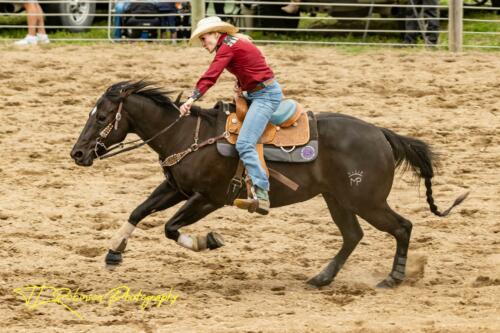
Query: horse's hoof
point(319, 281)
point(113, 258)
point(388, 283)
point(214, 240)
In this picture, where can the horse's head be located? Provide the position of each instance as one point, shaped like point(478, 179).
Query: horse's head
point(107, 125)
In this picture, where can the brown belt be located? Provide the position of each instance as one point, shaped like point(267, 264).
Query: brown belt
point(262, 85)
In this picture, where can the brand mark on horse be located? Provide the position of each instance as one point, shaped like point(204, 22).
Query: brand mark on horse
point(355, 177)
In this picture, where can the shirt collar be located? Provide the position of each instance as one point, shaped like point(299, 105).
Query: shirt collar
point(221, 39)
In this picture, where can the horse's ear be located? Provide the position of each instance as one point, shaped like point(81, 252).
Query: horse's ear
point(124, 93)
point(178, 99)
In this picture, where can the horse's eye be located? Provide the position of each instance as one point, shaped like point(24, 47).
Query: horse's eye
point(101, 118)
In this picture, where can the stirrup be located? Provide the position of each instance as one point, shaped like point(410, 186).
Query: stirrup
point(253, 205)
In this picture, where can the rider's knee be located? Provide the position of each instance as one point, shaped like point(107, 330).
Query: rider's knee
point(243, 146)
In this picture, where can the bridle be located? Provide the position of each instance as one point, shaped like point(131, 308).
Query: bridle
point(167, 162)
point(123, 145)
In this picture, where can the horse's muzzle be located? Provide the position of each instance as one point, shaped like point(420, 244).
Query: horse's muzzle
point(81, 157)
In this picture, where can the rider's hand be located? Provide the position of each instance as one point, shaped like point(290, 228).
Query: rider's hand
point(186, 107)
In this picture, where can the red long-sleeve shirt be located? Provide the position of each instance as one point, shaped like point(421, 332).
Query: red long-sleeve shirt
point(241, 58)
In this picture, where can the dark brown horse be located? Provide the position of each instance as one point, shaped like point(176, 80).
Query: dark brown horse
point(354, 172)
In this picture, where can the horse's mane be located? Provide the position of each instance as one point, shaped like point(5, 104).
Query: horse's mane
point(144, 88)
point(151, 90)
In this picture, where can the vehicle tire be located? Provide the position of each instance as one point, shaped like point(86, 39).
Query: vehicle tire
point(275, 10)
point(82, 14)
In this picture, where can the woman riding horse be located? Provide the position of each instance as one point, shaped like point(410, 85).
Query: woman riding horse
point(236, 53)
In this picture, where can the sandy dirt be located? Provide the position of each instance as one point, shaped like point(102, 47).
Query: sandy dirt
point(56, 218)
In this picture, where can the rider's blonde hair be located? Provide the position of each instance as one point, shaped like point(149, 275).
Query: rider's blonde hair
point(242, 36)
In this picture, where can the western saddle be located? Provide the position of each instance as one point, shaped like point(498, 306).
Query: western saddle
point(289, 126)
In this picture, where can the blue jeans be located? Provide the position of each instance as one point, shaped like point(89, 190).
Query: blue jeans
point(264, 103)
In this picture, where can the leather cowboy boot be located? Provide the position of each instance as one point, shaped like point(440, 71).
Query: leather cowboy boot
point(292, 8)
point(259, 202)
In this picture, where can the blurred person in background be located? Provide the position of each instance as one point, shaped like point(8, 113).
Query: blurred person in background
point(36, 28)
point(168, 20)
point(428, 28)
point(183, 20)
point(292, 8)
point(218, 8)
point(120, 8)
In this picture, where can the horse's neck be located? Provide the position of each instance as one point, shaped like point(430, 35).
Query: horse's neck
point(149, 119)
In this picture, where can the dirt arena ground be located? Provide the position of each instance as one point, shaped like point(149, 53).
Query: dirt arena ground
point(56, 218)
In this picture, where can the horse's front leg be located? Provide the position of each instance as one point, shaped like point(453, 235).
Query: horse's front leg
point(196, 208)
point(163, 197)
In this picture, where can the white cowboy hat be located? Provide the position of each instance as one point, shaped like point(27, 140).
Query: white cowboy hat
point(212, 24)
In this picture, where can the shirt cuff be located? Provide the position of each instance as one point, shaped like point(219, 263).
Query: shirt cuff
point(196, 94)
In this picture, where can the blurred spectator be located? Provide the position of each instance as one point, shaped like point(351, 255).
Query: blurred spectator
point(36, 28)
point(120, 8)
point(183, 20)
point(168, 8)
point(427, 28)
point(291, 8)
point(218, 7)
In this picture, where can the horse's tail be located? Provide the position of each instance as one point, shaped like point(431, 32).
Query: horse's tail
point(416, 155)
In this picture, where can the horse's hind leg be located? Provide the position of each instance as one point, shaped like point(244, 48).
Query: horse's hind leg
point(385, 219)
point(348, 225)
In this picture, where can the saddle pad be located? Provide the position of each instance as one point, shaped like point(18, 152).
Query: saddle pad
point(301, 154)
point(291, 136)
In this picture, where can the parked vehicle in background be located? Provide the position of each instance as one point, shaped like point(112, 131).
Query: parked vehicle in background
point(292, 20)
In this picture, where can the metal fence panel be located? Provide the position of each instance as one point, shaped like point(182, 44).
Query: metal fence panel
point(347, 22)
